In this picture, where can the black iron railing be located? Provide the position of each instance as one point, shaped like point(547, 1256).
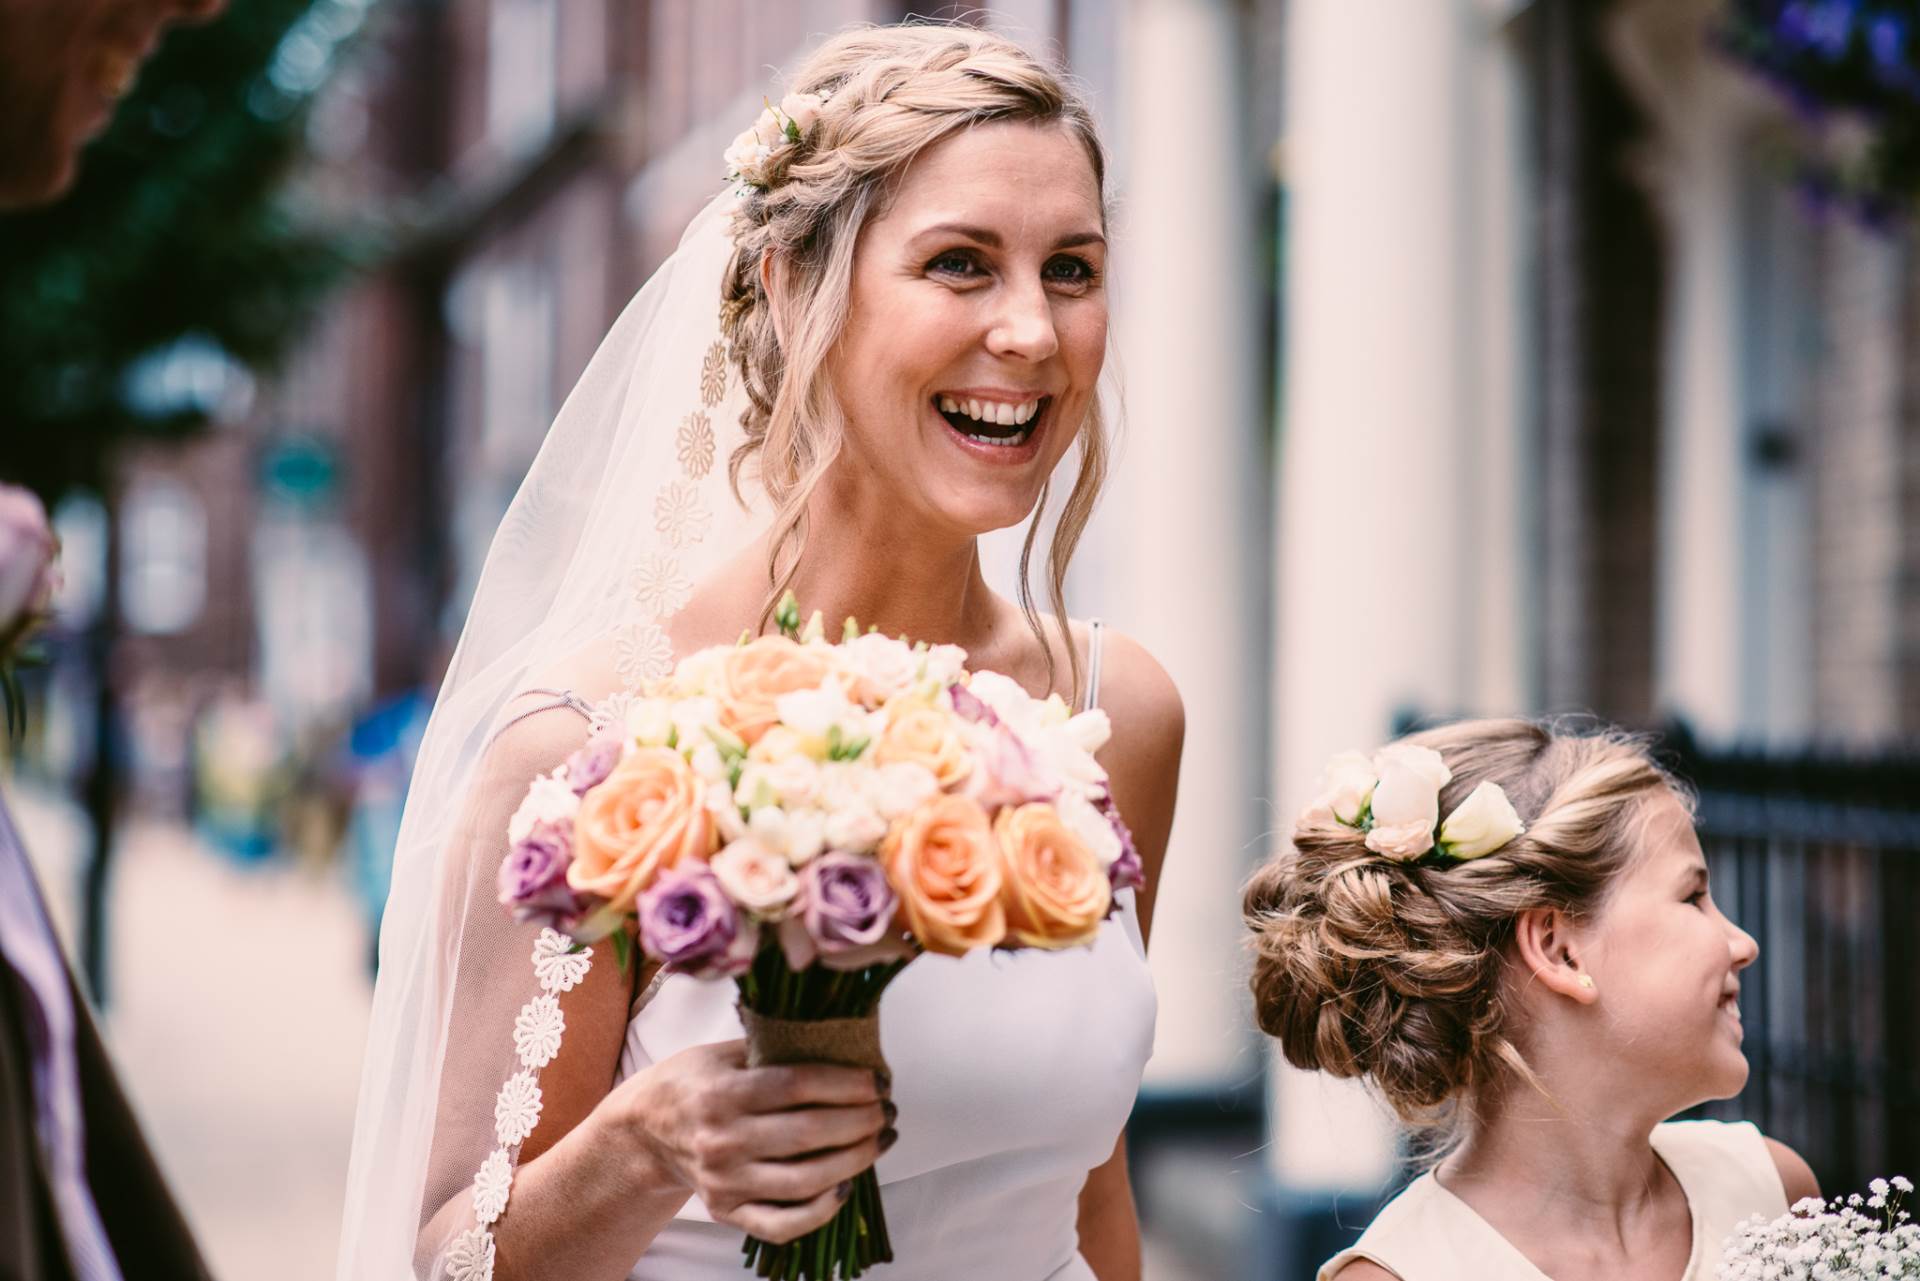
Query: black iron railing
point(1817, 855)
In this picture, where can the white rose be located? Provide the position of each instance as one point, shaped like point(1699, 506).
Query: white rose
point(881, 666)
point(857, 829)
point(710, 765)
point(699, 672)
point(817, 712)
point(803, 109)
point(943, 664)
point(1406, 800)
point(745, 153)
point(797, 835)
point(1090, 730)
point(548, 800)
point(1090, 825)
point(770, 129)
point(759, 881)
point(1052, 711)
point(898, 789)
point(795, 780)
point(1009, 702)
point(650, 722)
point(1347, 785)
point(726, 814)
point(1481, 824)
point(1062, 760)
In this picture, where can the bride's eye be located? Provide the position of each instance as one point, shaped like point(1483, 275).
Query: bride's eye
point(956, 263)
point(1069, 269)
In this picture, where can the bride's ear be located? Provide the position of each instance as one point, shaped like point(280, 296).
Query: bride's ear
point(1549, 951)
point(773, 283)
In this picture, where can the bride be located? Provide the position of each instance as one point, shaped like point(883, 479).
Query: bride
point(884, 340)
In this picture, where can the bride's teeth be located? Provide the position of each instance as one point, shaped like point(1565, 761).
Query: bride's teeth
point(973, 410)
point(948, 405)
point(1004, 415)
point(1025, 414)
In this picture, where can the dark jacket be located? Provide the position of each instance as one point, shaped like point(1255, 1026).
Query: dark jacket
point(149, 1238)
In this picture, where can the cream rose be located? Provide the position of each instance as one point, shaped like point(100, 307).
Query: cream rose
point(649, 814)
point(930, 737)
point(549, 800)
point(803, 109)
point(1346, 786)
point(1056, 892)
point(1481, 824)
point(878, 668)
point(1406, 800)
point(753, 676)
point(760, 882)
point(945, 865)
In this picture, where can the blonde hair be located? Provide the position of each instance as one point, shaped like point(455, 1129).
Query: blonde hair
point(1394, 972)
point(895, 91)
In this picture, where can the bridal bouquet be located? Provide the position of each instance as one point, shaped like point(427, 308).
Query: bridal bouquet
point(804, 818)
point(1836, 1240)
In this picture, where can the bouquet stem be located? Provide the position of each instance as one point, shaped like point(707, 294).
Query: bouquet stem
point(819, 1016)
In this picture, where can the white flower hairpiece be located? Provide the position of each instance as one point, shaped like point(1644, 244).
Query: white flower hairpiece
point(1394, 797)
point(750, 157)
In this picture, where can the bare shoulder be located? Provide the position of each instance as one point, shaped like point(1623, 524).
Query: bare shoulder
point(542, 728)
point(1137, 692)
point(1796, 1176)
point(1364, 1270)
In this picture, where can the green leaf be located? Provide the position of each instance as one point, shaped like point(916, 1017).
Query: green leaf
point(851, 630)
point(622, 950)
point(786, 616)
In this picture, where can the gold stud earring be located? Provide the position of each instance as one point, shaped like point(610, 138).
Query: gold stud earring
point(1586, 981)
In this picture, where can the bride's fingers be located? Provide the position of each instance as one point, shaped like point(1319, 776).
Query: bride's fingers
point(804, 1178)
point(785, 1134)
point(776, 1089)
point(779, 1224)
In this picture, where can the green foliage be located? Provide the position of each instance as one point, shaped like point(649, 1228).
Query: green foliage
point(180, 227)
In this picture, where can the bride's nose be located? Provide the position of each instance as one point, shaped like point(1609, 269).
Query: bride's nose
point(1022, 323)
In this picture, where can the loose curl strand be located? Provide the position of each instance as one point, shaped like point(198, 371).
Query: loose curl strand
point(893, 92)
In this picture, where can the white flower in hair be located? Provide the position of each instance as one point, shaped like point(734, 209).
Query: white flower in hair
point(1481, 824)
point(752, 152)
point(1346, 786)
point(1406, 801)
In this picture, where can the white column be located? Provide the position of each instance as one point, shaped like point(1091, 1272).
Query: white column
point(1177, 556)
point(1701, 109)
point(1379, 369)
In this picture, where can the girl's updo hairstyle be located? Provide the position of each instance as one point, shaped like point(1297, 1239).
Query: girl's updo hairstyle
point(892, 93)
point(1393, 972)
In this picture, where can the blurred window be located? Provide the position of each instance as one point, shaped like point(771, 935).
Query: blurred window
point(521, 73)
point(163, 547)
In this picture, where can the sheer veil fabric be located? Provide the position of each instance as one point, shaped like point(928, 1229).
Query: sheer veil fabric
point(626, 507)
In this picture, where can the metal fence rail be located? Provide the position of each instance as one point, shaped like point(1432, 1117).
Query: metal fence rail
point(1817, 855)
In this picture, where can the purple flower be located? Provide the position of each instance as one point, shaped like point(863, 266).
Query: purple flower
point(1127, 872)
point(688, 922)
point(533, 878)
point(589, 767)
point(845, 906)
point(969, 706)
point(27, 575)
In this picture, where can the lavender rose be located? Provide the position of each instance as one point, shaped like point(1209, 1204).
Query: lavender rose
point(27, 574)
point(687, 922)
point(1127, 872)
point(589, 767)
point(843, 914)
point(533, 878)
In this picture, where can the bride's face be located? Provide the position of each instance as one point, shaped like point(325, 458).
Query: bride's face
point(976, 327)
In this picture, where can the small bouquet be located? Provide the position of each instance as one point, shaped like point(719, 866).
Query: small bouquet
point(805, 818)
point(1834, 1240)
point(29, 576)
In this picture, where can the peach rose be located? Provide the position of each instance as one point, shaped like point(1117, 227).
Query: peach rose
point(945, 867)
point(927, 736)
point(754, 675)
point(1056, 891)
point(650, 814)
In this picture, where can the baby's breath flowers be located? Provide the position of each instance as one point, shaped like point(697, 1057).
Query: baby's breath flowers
point(1836, 1240)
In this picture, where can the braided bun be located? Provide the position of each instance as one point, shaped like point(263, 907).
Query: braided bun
point(1392, 972)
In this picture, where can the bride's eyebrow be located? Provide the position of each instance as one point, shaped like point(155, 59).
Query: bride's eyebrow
point(993, 240)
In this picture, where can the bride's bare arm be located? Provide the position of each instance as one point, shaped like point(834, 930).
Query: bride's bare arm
point(607, 1167)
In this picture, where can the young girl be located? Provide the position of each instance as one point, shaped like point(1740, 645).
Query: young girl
point(1535, 984)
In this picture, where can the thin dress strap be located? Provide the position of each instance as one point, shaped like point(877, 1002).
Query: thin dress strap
point(556, 698)
point(1095, 628)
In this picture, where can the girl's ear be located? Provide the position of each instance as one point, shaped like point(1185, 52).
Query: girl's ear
point(773, 282)
point(1544, 938)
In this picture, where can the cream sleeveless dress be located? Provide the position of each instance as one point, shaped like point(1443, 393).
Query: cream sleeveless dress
point(1014, 1073)
point(1428, 1234)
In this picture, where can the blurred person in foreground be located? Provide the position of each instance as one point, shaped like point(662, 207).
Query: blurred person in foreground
point(64, 64)
point(80, 1195)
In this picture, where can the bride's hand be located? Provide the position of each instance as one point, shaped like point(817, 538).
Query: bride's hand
point(769, 1150)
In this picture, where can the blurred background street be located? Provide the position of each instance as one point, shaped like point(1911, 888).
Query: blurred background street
point(1480, 356)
